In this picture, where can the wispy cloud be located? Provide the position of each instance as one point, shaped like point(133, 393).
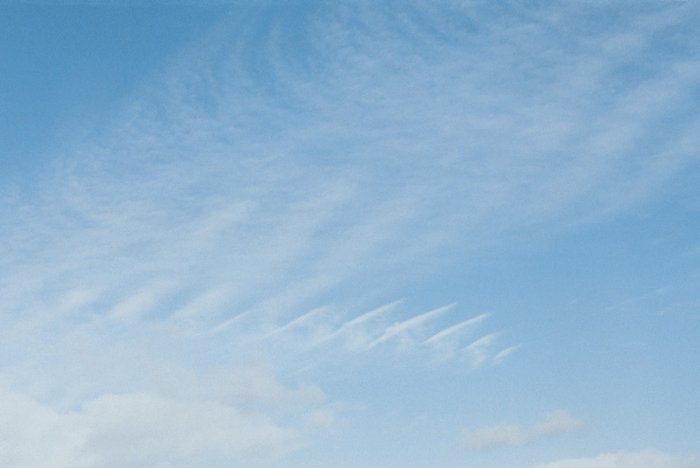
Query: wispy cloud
point(132, 308)
point(213, 178)
point(677, 298)
point(454, 329)
point(500, 435)
point(504, 353)
point(280, 167)
point(484, 350)
point(347, 329)
point(207, 303)
point(400, 328)
point(423, 333)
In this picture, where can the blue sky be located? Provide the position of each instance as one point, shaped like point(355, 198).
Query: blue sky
point(350, 234)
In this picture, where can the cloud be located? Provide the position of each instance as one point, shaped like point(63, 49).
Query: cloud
point(488, 437)
point(28, 425)
point(399, 329)
point(388, 328)
point(484, 351)
point(442, 335)
point(249, 418)
point(263, 189)
point(503, 354)
point(349, 329)
point(644, 458)
point(131, 308)
point(320, 161)
point(135, 429)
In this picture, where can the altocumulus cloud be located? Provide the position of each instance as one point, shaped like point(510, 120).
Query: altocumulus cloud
point(557, 422)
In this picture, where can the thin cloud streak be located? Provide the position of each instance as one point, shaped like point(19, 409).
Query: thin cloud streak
point(347, 327)
point(400, 328)
point(447, 332)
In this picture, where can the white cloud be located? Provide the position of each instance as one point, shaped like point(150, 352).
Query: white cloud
point(442, 335)
point(33, 435)
point(503, 354)
point(249, 418)
point(479, 352)
point(484, 351)
point(488, 437)
point(207, 303)
point(263, 202)
point(131, 308)
point(641, 459)
point(136, 429)
point(265, 190)
point(432, 334)
point(399, 329)
point(349, 329)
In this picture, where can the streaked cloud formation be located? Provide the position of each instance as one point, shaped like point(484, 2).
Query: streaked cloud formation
point(212, 274)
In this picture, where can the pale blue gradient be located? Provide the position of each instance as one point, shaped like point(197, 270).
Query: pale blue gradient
point(350, 234)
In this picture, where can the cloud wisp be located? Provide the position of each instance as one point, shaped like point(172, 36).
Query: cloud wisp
point(500, 435)
point(238, 193)
point(386, 329)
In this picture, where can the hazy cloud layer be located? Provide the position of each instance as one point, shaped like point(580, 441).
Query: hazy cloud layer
point(249, 416)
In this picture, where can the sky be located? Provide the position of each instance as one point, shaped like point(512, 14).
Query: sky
point(349, 234)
